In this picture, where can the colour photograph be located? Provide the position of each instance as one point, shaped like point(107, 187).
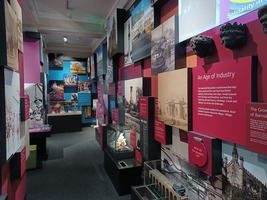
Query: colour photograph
point(77, 67)
point(244, 173)
point(56, 90)
point(70, 79)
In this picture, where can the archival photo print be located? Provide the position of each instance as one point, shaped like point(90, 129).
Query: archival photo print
point(112, 34)
point(173, 98)
point(11, 37)
point(133, 90)
point(128, 42)
point(12, 108)
point(163, 47)
point(197, 184)
point(244, 173)
point(35, 92)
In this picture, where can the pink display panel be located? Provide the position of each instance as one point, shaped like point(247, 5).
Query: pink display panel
point(220, 94)
point(257, 127)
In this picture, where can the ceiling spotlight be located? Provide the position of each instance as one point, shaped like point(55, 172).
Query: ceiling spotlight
point(65, 39)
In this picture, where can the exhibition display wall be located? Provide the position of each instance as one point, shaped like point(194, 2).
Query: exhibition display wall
point(70, 89)
point(14, 120)
point(209, 110)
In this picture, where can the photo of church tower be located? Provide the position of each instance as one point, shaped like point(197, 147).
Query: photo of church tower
point(241, 181)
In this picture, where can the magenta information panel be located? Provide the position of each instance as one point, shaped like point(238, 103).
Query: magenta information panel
point(257, 127)
point(220, 94)
point(99, 93)
point(115, 115)
point(120, 88)
point(144, 107)
point(27, 107)
point(204, 153)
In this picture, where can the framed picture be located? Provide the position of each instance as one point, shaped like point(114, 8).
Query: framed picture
point(55, 61)
point(88, 65)
point(93, 70)
point(87, 110)
point(70, 79)
point(115, 30)
point(56, 90)
point(109, 74)
point(133, 90)
point(242, 171)
point(143, 24)
point(163, 47)
point(12, 115)
point(9, 51)
point(173, 101)
point(77, 67)
point(74, 96)
point(128, 42)
point(84, 86)
point(99, 53)
point(35, 92)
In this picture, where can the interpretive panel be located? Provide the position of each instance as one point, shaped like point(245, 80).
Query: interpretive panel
point(257, 127)
point(220, 94)
point(204, 153)
point(162, 132)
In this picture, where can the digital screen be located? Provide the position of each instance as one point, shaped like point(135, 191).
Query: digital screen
point(197, 16)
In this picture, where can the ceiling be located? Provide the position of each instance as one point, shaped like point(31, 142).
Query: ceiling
point(81, 21)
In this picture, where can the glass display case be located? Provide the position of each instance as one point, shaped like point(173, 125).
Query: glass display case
point(168, 182)
point(118, 141)
point(63, 107)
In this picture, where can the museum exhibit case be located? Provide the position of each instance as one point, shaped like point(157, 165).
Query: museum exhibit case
point(65, 116)
point(118, 141)
point(163, 182)
point(123, 173)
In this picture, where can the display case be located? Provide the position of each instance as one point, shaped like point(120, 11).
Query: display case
point(144, 192)
point(118, 141)
point(65, 116)
point(62, 107)
point(165, 181)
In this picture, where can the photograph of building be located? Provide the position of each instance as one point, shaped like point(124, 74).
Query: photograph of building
point(172, 98)
point(244, 174)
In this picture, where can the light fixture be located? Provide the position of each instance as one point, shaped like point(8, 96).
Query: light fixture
point(65, 39)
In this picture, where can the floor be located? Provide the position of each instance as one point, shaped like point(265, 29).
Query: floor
point(74, 170)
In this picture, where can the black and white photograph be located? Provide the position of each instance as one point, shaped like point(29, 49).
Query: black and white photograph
point(35, 92)
point(109, 75)
point(11, 37)
point(163, 47)
point(112, 34)
point(12, 98)
point(133, 90)
point(128, 42)
point(173, 98)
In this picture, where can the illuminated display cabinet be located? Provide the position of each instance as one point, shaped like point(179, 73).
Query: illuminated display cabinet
point(118, 142)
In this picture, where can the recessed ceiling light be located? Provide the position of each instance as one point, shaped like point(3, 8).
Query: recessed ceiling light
point(65, 39)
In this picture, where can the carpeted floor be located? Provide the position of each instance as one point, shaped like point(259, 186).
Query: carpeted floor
point(74, 170)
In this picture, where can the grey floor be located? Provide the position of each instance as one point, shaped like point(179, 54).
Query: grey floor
point(73, 171)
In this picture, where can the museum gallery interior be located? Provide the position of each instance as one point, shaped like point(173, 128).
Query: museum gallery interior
point(173, 94)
